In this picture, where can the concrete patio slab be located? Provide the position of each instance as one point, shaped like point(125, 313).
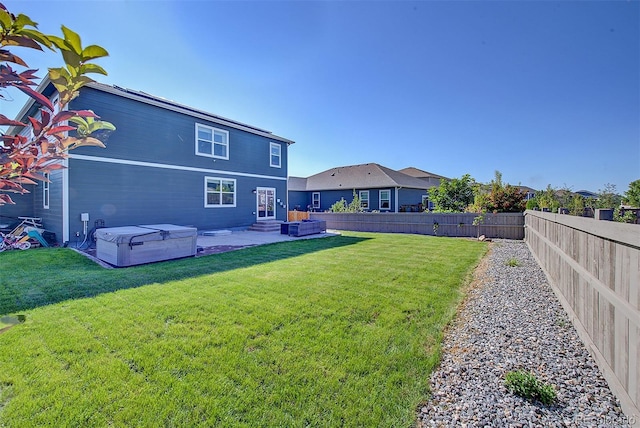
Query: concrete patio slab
point(220, 243)
point(248, 238)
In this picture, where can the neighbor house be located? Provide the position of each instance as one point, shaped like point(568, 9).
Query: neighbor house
point(164, 163)
point(379, 188)
point(529, 192)
point(587, 194)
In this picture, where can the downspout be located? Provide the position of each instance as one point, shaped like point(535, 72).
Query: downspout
point(65, 201)
point(395, 206)
point(65, 194)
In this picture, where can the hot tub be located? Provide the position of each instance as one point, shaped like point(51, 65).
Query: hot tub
point(135, 245)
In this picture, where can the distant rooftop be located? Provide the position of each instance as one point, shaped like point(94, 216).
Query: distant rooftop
point(419, 173)
point(369, 175)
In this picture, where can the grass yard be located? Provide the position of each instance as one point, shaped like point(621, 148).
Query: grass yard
point(340, 331)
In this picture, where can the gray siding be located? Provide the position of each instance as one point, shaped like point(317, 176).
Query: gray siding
point(169, 186)
point(411, 196)
point(51, 217)
point(23, 207)
point(299, 201)
point(149, 133)
point(330, 197)
point(127, 195)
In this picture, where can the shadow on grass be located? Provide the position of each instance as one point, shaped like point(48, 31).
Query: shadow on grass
point(42, 277)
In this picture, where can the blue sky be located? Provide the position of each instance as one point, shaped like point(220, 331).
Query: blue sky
point(547, 92)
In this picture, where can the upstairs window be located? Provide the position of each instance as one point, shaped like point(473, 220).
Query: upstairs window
point(212, 142)
point(275, 155)
point(219, 192)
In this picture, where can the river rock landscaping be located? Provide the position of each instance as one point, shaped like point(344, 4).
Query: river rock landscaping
point(511, 320)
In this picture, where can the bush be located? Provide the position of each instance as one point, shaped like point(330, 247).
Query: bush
point(527, 386)
point(341, 206)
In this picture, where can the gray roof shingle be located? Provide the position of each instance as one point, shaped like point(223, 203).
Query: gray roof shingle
point(365, 176)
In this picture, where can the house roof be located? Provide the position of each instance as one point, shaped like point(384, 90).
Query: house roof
point(365, 176)
point(298, 184)
point(419, 173)
point(587, 194)
point(526, 188)
point(163, 103)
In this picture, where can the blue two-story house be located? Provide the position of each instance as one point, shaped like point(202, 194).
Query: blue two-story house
point(165, 163)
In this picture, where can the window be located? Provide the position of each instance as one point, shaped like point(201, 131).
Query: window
point(364, 199)
point(385, 199)
point(275, 156)
point(219, 192)
point(212, 142)
point(45, 192)
point(315, 200)
point(426, 205)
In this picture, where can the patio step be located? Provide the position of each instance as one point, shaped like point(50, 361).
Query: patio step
point(266, 226)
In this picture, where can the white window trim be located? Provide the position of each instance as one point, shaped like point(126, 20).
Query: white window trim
point(171, 167)
point(271, 164)
point(313, 200)
point(380, 199)
point(213, 143)
point(362, 192)
point(235, 193)
point(46, 192)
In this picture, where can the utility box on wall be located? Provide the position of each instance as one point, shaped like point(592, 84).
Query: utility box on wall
point(135, 245)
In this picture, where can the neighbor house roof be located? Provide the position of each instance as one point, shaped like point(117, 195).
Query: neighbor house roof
point(587, 194)
point(365, 176)
point(297, 184)
point(526, 188)
point(419, 173)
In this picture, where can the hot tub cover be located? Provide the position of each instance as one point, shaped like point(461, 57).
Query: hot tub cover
point(147, 232)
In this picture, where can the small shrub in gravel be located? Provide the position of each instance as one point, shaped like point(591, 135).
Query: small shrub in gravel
point(513, 262)
point(526, 385)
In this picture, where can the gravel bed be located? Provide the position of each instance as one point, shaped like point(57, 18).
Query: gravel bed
point(511, 320)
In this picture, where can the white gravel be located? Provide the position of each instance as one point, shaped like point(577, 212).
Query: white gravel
point(512, 320)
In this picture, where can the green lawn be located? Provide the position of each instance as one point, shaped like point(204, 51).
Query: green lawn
point(340, 331)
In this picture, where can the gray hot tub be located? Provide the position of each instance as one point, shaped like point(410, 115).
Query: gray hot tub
point(134, 245)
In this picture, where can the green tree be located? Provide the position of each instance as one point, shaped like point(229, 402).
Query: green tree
point(564, 196)
point(27, 160)
point(341, 206)
point(632, 195)
point(453, 195)
point(548, 199)
point(500, 197)
point(608, 197)
point(577, 205)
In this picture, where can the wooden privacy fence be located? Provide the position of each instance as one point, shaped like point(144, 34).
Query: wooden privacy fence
point(502, 225)
point(593, 267)
point(297, 215)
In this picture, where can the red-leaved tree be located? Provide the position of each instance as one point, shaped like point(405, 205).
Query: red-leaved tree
point(26, 160)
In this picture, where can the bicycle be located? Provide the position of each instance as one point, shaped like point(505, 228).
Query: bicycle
point(18, 238)
point(10, 242)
